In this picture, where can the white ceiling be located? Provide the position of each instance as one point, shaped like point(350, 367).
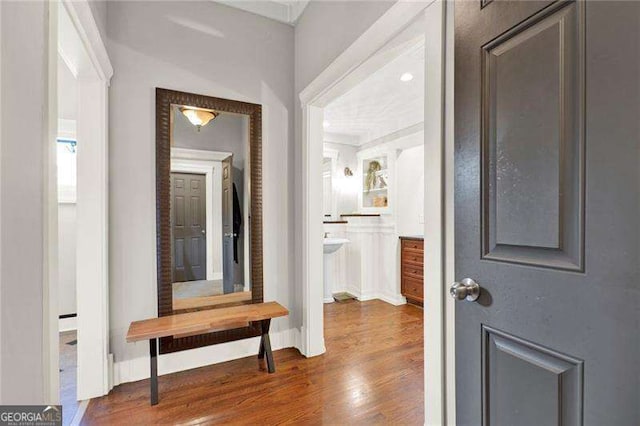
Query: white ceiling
point(381, 104)
point(287, 11)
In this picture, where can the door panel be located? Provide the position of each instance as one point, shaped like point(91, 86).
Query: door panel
point(532, 107)
point(188, 227)
point(547, 100)
point(526, 384)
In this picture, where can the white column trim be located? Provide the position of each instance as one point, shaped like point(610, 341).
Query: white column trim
point(50, 346)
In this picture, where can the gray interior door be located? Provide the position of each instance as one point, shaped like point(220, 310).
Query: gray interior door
point(188, 226)
point(547, 112)
point(227, 225)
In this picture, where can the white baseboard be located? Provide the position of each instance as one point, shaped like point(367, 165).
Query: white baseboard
point(77, 418)
point(67, 324)
point(138, 368)
point(364, 296)
point(394, 299)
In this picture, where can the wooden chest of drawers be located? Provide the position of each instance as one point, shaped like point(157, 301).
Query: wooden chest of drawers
point(412, 269)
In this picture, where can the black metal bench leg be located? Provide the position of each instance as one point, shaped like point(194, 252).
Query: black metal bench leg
point(261, 351)
point(265, 346)
point(153, 352)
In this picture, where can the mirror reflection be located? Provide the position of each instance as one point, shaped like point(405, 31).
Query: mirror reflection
point(209, 208)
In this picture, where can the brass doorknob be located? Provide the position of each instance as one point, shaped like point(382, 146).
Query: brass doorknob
point(466, 289)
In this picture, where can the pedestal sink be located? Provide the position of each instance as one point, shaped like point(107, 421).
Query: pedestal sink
point(333, 244)
point(330, 245)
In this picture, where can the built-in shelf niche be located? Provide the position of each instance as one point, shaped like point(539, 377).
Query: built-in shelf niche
point(376, 175)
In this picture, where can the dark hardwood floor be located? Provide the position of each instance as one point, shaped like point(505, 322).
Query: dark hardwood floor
point(372, 373)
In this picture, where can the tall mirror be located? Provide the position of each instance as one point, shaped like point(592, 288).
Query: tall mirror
point(209, 207)
point(209, 227)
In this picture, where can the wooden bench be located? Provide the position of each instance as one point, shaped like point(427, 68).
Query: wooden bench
point(207, 321)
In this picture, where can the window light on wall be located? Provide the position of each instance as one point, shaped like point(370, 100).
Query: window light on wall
point(66, 162)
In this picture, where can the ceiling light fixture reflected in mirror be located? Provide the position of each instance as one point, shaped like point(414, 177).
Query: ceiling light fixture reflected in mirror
point(198, 117)
point(407, 76)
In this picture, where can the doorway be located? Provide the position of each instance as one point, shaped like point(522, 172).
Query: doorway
point(66, 157)
point(373, 204)
point(76, 289)
point(381, 41)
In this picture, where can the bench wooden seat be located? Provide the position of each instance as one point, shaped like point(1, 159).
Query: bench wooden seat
point(206, 321)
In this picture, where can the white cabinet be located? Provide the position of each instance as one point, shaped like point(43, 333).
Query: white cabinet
point(376, 170)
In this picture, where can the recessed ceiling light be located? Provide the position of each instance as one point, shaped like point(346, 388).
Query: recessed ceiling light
point(407, 76)
point(326, 124)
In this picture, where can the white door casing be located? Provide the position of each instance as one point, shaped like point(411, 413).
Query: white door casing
point(208, 163)
point(74, 31)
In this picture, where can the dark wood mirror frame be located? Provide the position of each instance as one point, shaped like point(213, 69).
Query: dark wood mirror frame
point(164, 99)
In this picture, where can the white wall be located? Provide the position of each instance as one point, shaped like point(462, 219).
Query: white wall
point(199, 47)
point(410, 191)
point(346, 188)
point(23, 47)
point(67, 92)
point(66, 258)
point(67, 113)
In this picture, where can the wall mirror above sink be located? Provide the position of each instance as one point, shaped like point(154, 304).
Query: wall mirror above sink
point(209, 217)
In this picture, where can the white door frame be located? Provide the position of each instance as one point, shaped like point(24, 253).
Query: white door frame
point(208, 163)
point(371, 50)
point(73, 30)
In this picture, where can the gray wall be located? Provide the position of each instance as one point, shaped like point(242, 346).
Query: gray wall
point(23, 88)
point(99, 12)
point(328, 28)
point(198, 47)
point(225, 133)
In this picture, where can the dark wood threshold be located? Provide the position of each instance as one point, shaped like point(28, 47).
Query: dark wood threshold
point(67, 316)
point(335, 221)
point(412, 237)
